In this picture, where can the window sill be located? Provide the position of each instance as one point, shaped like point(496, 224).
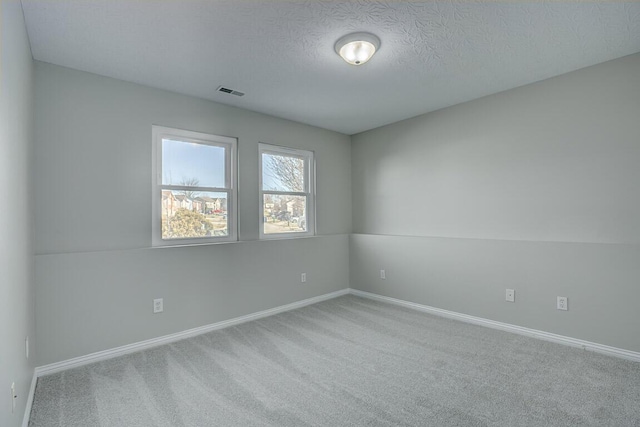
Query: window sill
point(285, 236)
point(227, 242)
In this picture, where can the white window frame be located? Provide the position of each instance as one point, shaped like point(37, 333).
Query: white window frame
point(231, 178)
point(309, 190)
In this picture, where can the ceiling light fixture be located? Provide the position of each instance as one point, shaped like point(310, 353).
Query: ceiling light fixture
point(357, 48)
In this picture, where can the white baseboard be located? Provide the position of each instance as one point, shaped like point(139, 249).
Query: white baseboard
point(27, 409)
point(547, 336)
point(154, 342)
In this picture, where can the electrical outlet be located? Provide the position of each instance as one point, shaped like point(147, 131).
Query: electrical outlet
point(511, 295)
point(563, 303)
point(383, 275)
point(14, 397)
point(158, 305)
point(303, 278)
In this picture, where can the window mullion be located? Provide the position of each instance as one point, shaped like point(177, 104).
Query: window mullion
point(285, 193)
point(195, 189)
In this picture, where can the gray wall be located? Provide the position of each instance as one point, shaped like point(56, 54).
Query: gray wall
point(532, 189)
point(96, 275)
point(535, 189)
point(17, 311)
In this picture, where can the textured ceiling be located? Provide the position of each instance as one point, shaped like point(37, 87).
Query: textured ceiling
point(433, 54)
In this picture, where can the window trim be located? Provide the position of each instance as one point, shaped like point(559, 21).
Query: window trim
point(231, 177)
point(310, 186)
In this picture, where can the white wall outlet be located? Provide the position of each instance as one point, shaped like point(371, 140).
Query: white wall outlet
point(511, 295)
point(26, 347)
point(383, 275)
point(14, 397)
point(563, 303)
point(158, 305)
point(303, 278)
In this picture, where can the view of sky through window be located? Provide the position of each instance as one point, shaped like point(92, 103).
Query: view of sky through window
point(186, 163)
point(282, 173)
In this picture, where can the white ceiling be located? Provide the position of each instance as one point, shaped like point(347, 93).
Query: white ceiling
point(280, 52)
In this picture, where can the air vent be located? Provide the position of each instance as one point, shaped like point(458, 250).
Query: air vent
point(230, 91)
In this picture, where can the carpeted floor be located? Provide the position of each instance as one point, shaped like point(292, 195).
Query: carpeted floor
point(347, 362)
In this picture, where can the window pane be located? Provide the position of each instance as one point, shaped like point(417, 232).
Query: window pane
point(282, 173)
point(187, 163)
point(284, 214)
point(188, 214)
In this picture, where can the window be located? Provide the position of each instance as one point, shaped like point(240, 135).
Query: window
point(287, 192)
point(194, 187)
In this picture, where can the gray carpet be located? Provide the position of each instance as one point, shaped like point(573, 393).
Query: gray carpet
point(347, 362)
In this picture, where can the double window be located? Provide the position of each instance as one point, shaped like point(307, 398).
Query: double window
point(287, 192)
point(194, 189)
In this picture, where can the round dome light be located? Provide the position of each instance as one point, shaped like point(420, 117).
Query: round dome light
point(357, 48)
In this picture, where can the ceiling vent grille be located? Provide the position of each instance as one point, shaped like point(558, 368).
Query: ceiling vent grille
point(230, 91)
